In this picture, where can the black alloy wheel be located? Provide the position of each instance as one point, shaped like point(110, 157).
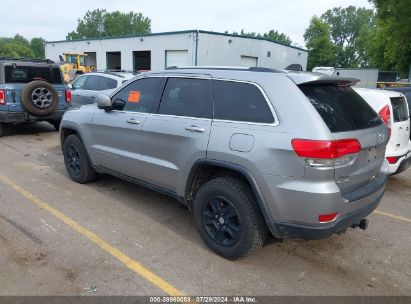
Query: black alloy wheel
point(74, 162)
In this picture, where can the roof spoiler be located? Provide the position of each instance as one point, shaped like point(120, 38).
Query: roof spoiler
point(313, 78)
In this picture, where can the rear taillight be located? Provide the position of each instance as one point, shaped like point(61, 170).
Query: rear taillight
point(385, 114)
point(68, 96)
point(2, 97)
point(326, 152)
point(392, 159)
point(326, 218)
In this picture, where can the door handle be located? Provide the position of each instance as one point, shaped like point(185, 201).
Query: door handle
point(133, 121)
point(195, 129)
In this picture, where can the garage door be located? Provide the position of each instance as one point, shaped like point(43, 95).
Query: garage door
point(248, 61)
point(177, 58)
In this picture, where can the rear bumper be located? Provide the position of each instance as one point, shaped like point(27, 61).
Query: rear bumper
point(20, 117)
point(403, 164)
point(403, 156)
point(354, 208)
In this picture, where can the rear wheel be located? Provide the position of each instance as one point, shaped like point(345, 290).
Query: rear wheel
point(76, 160)
point(228, 218)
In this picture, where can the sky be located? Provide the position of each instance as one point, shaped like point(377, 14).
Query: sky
point(53, 19)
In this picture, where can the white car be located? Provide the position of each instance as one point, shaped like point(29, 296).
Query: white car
point(393, 109)
point(85, 88)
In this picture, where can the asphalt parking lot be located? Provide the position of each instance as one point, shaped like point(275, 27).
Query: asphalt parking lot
point(111, 237)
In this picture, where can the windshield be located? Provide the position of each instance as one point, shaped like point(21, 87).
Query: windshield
point(71, 58)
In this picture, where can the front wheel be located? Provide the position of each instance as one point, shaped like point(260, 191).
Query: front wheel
point(76, 160)
point(228, 218)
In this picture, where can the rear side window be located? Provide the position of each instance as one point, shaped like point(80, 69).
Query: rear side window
point(399, 109)
point(99, 83)
point(341, 108)
point(108, 83)
point(186, 97)
point(238, 101)
point(25, 74)
point(79, 83)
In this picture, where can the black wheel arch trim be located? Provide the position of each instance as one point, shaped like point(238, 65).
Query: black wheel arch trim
point(78, 132)
point(65, 128)
point(248, 176)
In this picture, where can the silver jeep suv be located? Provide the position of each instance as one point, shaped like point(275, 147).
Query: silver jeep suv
point(248, 150)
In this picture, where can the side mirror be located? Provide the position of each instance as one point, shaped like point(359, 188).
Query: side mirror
point(118, 104)
point(104, 102)
point(69, 86)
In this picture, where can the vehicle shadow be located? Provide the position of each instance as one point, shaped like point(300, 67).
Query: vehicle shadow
point(400, 183)
point(165, 210)
point(158, 207)
point(28, 129)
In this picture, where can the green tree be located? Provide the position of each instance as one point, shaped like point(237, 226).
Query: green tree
point(346, 42)
point(321, 51)
point(346, 26)
point(6, 50)
point(272, 35)
point(117, 23)
point(100, 23)
point(91, 26)
point(275, 35)
point(15, 47)
point(392, 45)
point(37, 46)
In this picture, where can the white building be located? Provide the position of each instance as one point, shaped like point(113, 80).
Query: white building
point(186, 48)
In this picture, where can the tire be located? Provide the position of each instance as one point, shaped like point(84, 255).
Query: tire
point(56, 124)
point(77, 161)
point(2, 131)
point(228, 218)
point(39, 98)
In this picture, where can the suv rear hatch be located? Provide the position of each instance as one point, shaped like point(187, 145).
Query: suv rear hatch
point(348, 116)
point(16, 77)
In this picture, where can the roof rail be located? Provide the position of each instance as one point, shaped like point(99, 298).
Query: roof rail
point(116, 72)
point(250, 69)
point(24, 59)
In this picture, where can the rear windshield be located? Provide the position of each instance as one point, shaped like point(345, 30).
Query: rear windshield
point(399, 109)
point(24, 74)
point(341, 108)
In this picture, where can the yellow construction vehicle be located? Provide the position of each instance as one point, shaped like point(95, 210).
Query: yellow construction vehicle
point(73, 65)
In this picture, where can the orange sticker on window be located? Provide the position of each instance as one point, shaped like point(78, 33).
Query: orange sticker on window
point(134, 96)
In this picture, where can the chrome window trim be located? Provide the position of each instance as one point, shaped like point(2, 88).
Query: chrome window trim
point(131, 80)
point(209, 77)
point(179, 116)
